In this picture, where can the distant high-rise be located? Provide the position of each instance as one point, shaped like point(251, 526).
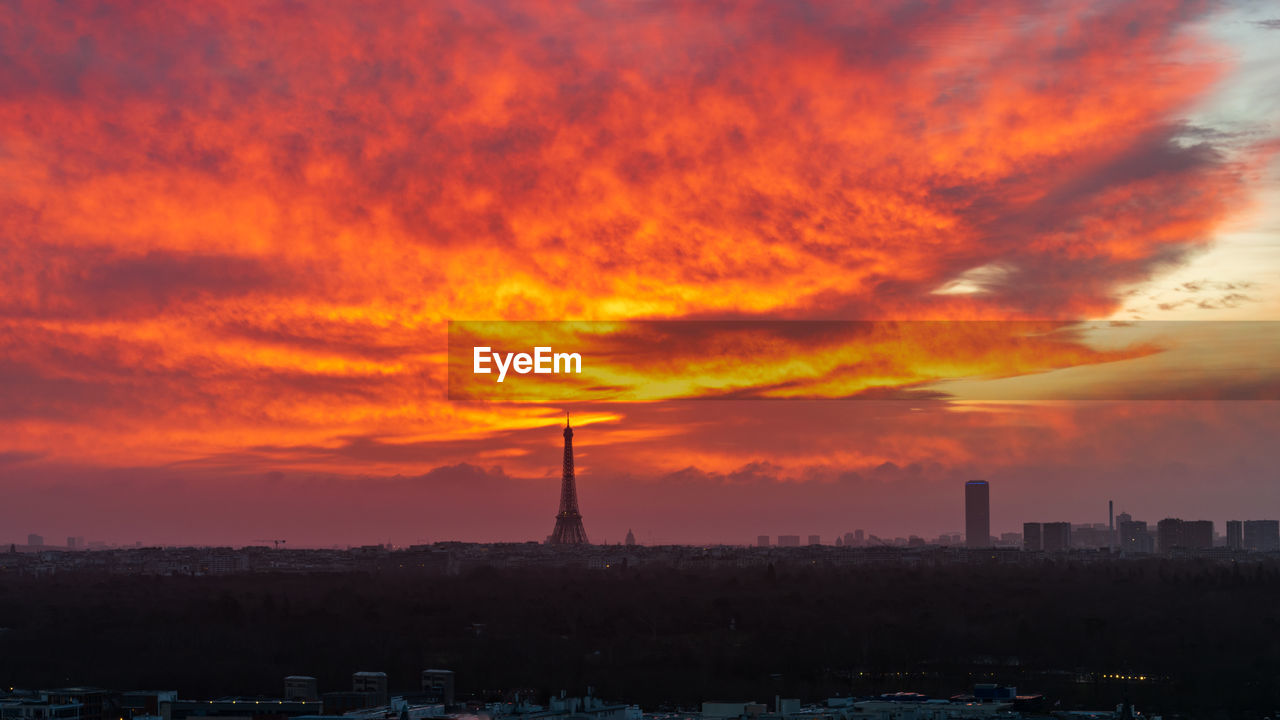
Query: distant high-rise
point(1198, 534)
point(631, 538)
point(815, 539)
point(1031, 541)
point(788, 541)
point(1169, 534)
point(762, 541)
point(568, 530)
point(438, 685)
point(1189, 534)
point(374, 683)
point(35, 540)
point(1261, 535)
point(977, 514)
point(1235, 534)
point(1056, 536)
point(1134, 537)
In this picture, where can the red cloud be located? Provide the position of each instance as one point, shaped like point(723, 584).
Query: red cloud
point(228, 226)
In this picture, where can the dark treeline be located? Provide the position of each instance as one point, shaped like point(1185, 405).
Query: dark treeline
point(1206, 636)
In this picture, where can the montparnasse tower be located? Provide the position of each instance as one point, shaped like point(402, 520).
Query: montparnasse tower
point(568, 529)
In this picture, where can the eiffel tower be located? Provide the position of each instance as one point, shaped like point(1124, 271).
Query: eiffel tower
point(569, 529)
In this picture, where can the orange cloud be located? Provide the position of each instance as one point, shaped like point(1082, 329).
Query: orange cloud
point(227, 227)
point(654, 361)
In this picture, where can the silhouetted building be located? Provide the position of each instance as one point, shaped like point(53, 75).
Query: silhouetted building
point(301, 687)
point(438, 685)
point(1169, 534)
point(1091, 535)
point(371, 682)
point(568, 529)
point(1261, 535)
point(788, 541)
point(1134, 537)
point(1185, 534)
point(1055, 536)
point(815, 539)
point(1197, 534)
point(1031, 539)
point(977, 514)
point(34, 540)
point(762, 541)
point(1235, 534)
point(631, 538)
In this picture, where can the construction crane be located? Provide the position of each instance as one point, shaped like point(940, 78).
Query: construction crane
point(277, 543)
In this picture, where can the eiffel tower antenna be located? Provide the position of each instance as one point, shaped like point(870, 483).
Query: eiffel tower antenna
point(568, 530)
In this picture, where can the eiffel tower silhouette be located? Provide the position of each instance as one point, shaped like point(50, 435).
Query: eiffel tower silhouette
point(569, 530)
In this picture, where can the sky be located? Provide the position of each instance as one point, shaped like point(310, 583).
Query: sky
point(233, 236)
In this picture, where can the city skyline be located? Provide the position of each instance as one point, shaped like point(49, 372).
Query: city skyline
point(1117, 534)
point(976, 506)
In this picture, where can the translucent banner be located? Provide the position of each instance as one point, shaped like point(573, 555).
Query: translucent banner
point(645, 361)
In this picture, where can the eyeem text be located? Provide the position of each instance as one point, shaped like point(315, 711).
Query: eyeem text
point(543, 361)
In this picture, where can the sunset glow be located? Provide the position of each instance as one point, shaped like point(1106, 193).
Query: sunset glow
point(232, 237)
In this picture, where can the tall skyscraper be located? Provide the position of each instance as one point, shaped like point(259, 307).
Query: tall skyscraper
point(977, 514)
point(568, 530)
